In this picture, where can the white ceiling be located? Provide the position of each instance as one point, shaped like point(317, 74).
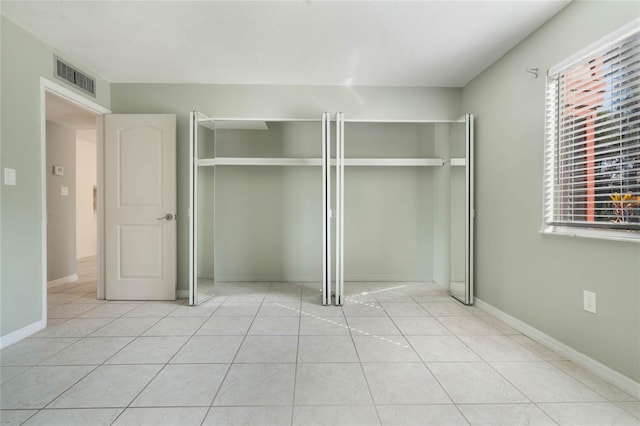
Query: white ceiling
point(379, 43)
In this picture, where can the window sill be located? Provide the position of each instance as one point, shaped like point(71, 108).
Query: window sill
point(601, 234)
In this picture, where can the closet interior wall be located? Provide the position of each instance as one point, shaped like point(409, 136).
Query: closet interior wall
point(263, 222)
point(267, 217)
point(205, 233)
point(389, 210)
point(456, 212)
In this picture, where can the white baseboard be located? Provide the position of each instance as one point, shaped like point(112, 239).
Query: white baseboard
point(182, 294)
point(24, 332)
point(617, 379)
point(63, 280)
point(439, 284)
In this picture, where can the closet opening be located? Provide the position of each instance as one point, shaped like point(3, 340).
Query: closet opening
point(265, 212)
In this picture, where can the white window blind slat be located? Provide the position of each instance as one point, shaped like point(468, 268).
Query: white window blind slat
point(603, 179)
point(602, 45)
point(592, 152)
point(622, 138)
point(588, 95)
point(613, 157)
point(611, 66)
point(586, 84)
point(599, 98)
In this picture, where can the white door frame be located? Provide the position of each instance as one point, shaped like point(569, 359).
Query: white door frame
point(79, 100)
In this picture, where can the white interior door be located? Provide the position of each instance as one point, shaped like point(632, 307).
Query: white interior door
point(140, 206)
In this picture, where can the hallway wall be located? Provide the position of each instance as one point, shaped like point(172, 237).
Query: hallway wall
point(86, 180)
point(61, 209)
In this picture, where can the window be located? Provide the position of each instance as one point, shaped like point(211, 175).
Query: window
point(592, 155)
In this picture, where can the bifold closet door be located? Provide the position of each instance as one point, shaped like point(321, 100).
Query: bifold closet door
point(339, 225)
point(193, 262)
point(332, 218)
point(201, 206)
point(326, 209)
point(462, 210)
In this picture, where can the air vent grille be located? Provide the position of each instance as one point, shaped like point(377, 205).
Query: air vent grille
point(78, 79)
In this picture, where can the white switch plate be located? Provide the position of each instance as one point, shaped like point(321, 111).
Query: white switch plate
point(64, 190)
point(589, 301)
point(9, 176)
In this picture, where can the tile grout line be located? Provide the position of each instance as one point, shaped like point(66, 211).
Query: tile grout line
point(483, 361)
point(364, 375)
point(295, 371)
point(158, 372)
point(226, 374)
point(429, 370)
point(351, 333)
point(66, 389)
point(553, 363)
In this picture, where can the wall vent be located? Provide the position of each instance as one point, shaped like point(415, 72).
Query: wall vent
point(77, 78)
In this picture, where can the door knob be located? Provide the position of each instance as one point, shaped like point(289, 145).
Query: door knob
point(167, 216)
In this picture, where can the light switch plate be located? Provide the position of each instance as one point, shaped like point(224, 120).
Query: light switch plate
point(58, 170)
point(9, 176)
point(589, 301)
point(64, 190)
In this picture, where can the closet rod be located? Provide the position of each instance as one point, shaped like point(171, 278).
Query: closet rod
point(393, 162)
point(458, 162)
point(315, 120)
point(243, 161)
point(267, 119)
point(384, 162)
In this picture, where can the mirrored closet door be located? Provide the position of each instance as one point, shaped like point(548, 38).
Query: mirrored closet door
point(462, 210)
point(201, 207)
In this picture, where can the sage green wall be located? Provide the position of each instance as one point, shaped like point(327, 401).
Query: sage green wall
point(389, 211)
point(441, 212)
point(267, 223)
point(61, 209)
point(205, 205)
point(24, 60)
point(283, 102)
point(267, 228)
point(538, 278)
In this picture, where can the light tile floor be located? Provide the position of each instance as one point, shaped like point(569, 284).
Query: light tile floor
point(269, 354)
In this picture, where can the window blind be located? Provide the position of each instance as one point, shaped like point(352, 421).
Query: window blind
point(592, 154)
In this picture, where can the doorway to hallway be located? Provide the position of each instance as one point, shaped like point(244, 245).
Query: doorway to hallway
point(71, 205)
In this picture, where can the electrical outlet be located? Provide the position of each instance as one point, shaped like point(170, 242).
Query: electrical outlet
point(589, 301)
point(64, 190)
point(9, 176)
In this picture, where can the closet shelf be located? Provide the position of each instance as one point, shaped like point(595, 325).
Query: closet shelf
point(393, 162)
point(458, 162)
point(244, 161)
point(239, 125)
